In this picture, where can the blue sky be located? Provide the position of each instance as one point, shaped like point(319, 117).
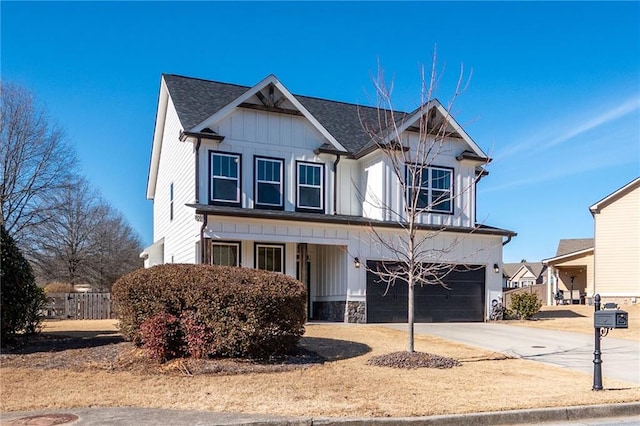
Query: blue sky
point(554, 96)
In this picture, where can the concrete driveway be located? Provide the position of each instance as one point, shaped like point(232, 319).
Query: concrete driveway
point(621, 358)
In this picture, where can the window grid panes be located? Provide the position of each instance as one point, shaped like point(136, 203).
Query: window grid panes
point(225, 177)
point(270, 258)
point(269, 180)
point(221, 253)
point(433, 190)
point(310, 182)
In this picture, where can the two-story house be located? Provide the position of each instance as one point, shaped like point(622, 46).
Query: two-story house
point(258, 177)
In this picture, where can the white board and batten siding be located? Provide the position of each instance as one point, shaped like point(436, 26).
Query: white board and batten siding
point(384, 200)
point(253, 133)
point(177, 166)
point(617, 247)
point(332, 249)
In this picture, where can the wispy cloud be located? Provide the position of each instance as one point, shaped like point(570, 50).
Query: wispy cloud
point(607, 117)
point(569, 128)
point(596, 155)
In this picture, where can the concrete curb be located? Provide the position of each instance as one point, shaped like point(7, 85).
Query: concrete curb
point(148, 416)
point(499, 417)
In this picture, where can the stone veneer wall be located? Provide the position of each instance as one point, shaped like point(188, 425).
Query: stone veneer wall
point(329, 311)
point(356, 312)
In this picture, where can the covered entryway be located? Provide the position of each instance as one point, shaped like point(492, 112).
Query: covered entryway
point(463, 301)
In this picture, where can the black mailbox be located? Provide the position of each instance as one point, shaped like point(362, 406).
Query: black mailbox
point(611, 318)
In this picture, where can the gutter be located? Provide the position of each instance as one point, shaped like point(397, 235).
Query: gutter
point(204, 225)
point(198, 142)
point(335, 184)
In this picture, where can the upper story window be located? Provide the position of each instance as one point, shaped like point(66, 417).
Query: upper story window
point(432, 187)
point(310, 187)
point(225, 178)
point(171, 201)
point(269, 178)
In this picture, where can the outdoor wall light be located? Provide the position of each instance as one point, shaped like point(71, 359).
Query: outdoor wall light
point(356, 262)
point(496, 268)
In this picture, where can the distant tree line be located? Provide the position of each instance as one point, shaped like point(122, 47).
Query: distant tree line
point(62, 225)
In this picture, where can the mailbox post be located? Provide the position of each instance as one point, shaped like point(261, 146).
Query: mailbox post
point(597, 360)
point(603, 321)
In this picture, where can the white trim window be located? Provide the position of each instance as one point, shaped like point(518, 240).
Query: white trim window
point(270, 257)
point(433, 188)
point(269, 173)
point(224, 253)
point(310, 186)
point(225, 178)
point(171, 201)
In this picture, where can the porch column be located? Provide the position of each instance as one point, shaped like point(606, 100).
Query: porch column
point(550, 292)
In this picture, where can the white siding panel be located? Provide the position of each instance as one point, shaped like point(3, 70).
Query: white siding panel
point(177, 166)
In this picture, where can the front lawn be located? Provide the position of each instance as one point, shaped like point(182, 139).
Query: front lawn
point(343, 385)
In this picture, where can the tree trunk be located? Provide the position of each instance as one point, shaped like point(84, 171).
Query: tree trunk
point(410, 319)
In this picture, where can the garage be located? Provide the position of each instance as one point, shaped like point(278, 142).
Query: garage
point(463, 301)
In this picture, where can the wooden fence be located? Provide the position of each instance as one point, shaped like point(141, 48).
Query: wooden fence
point(540, 290)
point(78, 306)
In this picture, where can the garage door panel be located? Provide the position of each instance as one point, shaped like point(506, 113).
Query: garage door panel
point(462, 301)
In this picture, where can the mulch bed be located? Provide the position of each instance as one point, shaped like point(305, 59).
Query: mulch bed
point(413, 360)
point(113, 354)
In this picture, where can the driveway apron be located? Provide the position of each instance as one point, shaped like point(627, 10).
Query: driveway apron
point(621, 358)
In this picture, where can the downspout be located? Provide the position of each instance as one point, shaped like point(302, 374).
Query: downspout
point(504, 243)
point(335, 184)
point(204, 225)
point(198, 142)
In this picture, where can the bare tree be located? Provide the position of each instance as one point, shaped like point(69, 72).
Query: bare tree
point(115, 250)
point(86, 241)
point(64, 241)
point(411, 144)
point(36, 162)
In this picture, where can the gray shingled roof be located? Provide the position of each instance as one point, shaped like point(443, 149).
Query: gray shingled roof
point(573, 245)
point(510, 269)
point(196, 99)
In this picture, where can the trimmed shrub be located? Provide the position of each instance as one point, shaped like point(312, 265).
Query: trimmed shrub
point(525, 305)
point(162, 337)
point(22, 299)
point(223, 311)
point(58, 287)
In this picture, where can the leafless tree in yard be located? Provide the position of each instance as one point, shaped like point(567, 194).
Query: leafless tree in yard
point(410, 144)
point(87, 241)
point(36, 162)
point(115, 250)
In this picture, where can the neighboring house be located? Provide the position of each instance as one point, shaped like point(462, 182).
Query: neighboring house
point(261, 178)
point(617, 245)
point(570, 271)
point(524, 274)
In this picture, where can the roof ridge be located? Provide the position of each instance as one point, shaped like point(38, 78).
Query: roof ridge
point(294, 94)
point(206, 80)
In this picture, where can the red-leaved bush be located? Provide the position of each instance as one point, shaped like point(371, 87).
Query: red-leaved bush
point(162, 337)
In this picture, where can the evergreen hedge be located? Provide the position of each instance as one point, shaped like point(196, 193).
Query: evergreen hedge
point(22, 299)
point(222, 311)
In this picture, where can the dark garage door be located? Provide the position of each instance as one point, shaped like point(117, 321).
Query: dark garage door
point(462, 302)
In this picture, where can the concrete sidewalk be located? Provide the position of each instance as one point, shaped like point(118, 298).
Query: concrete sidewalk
point(628, 414)
point(621, 358)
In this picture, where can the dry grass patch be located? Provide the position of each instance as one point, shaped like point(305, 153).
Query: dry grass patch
point(346, 386)
point(579, 319)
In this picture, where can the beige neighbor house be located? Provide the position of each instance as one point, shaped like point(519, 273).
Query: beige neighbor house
point(523, 274)
point(570, 272)
point(617, 245)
